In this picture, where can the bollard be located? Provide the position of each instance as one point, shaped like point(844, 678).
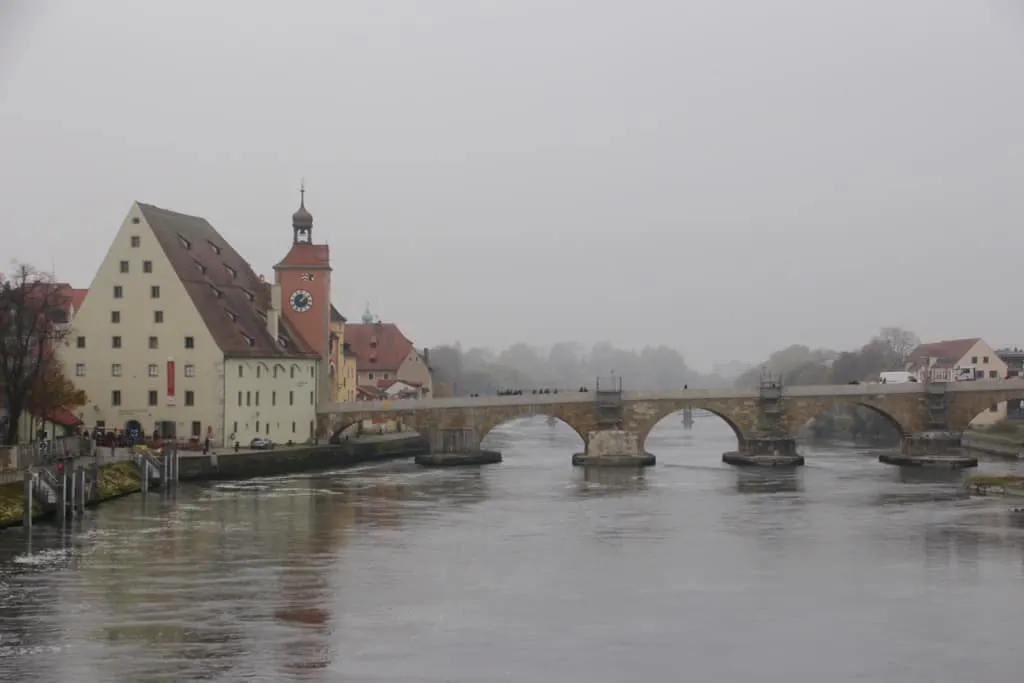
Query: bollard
point(81, 490)
point(26, 513)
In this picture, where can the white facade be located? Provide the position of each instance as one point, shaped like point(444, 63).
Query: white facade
point(273, 398)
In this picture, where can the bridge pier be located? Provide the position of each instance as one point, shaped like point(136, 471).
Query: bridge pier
point(613, 448)
point(939, 449)
point(454, 447)
point(765, 452)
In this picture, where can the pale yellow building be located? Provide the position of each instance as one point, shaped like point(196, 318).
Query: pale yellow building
point(178, 335)
point(343, 361)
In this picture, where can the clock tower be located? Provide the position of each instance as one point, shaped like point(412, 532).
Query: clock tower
point(304, 277)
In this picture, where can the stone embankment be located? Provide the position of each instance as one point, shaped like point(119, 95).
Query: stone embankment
point(996, 485)
point(122, 478)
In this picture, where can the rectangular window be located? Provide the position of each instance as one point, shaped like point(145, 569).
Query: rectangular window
point(154, 370)
point(154, 292)
point(124, 266)
point(115, 342)
point(197, 429)
point(79, 369)
point(266, 429)
point(115, 398)
point(147, 266)
point(993, 409)
point(190, 370)
point(190, 342)
point(248, 398)
point(239, 370)
point(154, 342)
point(974, 360)
point(984, 360)
point(136, 241)
point(190, 398)
point(234, 430)
point(291, 398)
point(311, 401)
point(293, 427)
point(152, 398)
point(158, 317)
point(115, 317)
point(118, 291)
point(993, 374)
point(115, 370)
point(257, 398)
point(273, 398)
point(80, 342)
point(239, 398)
point(257, 426)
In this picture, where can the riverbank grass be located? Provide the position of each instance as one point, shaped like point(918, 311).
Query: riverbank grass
point(1005, 480)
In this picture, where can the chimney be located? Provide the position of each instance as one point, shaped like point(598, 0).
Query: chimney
point(274, 314)
point(426, 357)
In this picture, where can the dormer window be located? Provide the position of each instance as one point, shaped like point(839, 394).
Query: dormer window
point(231, 316)
point(216, 292)
point(199, 267)
point(184, 242)
point(231, 271)
point(249, 295)
point(262, 314)
point(283, 342)
point(248, 340)
point(214, 247)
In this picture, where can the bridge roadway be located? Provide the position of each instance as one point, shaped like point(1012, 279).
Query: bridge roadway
point(849, 391)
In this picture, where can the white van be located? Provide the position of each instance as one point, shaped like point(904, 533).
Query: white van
point(896, 377)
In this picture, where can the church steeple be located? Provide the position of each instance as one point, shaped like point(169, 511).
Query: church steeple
point(302, 221)
point(367, 315)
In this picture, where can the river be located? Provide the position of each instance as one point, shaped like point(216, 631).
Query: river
point(530, 571)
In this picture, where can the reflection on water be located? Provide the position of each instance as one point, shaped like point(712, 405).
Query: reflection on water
point(776, 480)
point(529, 571)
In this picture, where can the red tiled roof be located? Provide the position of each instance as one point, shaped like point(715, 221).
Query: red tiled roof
point(952, 349)
point(377, 346)
point(228, 294)
point(63, 417)
point(78, 297)
point(366, 393)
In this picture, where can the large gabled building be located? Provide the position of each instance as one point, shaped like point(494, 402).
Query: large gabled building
point(960, 360)
point(384, 355)
point(179, 336)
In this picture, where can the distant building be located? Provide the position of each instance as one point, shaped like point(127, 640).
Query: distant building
point(957, 360)
point(383, 356)
point(1014, 359)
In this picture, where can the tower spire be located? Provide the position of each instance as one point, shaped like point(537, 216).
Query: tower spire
point(302, 220)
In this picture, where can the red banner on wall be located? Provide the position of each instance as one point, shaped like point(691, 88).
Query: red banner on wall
point(170, 381)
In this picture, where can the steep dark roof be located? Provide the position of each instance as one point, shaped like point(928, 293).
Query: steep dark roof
point(377, 346)
point(228, 294)
point(336, 316)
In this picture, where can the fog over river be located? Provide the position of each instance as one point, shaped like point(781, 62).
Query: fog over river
point(530, 571)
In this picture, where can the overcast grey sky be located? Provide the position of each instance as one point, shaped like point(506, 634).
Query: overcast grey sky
point(724, 177)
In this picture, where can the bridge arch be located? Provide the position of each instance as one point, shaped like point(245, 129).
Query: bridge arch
point(648, 424)
point(902, 416)
point(854, 424)
point(493, 423)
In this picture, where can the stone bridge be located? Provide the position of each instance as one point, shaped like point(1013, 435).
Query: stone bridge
point(760, 418)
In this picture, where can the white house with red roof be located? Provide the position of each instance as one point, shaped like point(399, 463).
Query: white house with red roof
point(388, 365)
point(959, 360)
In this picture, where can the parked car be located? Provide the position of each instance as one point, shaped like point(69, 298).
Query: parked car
point(261, 444)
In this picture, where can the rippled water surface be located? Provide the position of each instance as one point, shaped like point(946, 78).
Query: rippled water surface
point(848, 570)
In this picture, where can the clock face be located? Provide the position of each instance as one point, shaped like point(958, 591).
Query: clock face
point(301, 300)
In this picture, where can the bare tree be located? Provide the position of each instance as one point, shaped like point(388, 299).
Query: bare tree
point(900, 342)
point(33, 325)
